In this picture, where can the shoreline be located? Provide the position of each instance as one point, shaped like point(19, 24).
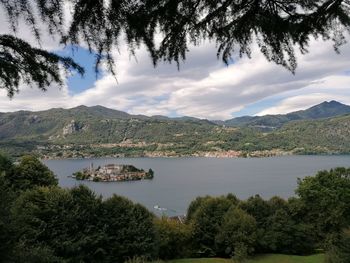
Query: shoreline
point(192, 156)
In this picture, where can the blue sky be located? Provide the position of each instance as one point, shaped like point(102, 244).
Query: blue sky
point(83, 57)
point(258, 106)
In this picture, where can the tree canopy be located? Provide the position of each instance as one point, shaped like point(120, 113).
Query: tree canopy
point(278, 28)
point(30, 173)
point(326, 197)
point(42, 222)
point(340, 251)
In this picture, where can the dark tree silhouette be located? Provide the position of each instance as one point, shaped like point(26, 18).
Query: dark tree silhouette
point(278, 27)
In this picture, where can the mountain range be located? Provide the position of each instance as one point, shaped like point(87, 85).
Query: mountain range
point(323, 110)
point(98, 131)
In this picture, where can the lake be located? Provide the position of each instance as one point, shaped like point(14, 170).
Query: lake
point(177, 181)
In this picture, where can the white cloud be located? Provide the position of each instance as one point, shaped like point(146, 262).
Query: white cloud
point(204, 87)
point(330, 88)
point(25, 32)
point(33, 99)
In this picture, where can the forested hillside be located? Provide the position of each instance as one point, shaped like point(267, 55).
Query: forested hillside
point(322, 110)
point(98, 131)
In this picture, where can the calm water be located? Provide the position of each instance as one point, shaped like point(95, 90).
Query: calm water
point(178, 181)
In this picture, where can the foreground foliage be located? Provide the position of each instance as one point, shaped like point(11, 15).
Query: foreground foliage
point(319, 258)
point(331, 212)
point(41, 222)
point(339, 251)
point(276, 26)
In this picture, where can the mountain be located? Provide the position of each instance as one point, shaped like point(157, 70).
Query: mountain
point(322, 110)
point(118, 131)
point(98, 131)
point(329, 135)
point(88, 120)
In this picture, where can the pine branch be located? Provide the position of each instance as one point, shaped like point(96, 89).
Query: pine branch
point(21, 63)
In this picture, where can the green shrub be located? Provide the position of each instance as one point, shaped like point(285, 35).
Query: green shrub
point(174, 238)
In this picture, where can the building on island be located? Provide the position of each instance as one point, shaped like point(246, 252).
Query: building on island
point(113, 173)
point(112, 169)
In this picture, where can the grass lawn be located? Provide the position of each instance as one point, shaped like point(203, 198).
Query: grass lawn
point(260, 259)
point(200, 260)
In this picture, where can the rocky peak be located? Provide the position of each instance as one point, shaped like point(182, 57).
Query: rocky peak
point(70, 128)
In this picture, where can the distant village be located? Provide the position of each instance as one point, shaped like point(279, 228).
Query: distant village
point(113, 173)
point(71, 151)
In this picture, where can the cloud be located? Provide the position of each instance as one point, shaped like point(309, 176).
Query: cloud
point(330, 88)
point(204, 87)
point(25, 32)
point(31, 98)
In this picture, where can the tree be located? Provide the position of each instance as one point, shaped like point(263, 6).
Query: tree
point(129, 229)
point(340, 251)
point(237, 235)
point(6, 166)
point(21, 63)
point(257, 207)
point(7, 197)
point(327, 199)
point(14, 179)
point(39, 217)
point(285, 235)
point(280, 226)
point(86, 229)
point(207, 220)
point(194, 206)
point(34, 254)
point(260, 210)
point(29, 173)
point(276, 26)
point(59, 223)
point(174, 238)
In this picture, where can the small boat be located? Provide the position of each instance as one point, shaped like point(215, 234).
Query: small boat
point(157, 207)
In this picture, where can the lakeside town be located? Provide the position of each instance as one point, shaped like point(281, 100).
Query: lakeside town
point(113, 173)
point(70, 151)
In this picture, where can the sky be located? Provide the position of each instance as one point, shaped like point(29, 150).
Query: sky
point(204, 87)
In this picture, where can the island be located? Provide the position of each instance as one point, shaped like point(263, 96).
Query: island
point(113, 173)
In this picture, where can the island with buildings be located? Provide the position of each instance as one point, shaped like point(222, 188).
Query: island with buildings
point(113, 173)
